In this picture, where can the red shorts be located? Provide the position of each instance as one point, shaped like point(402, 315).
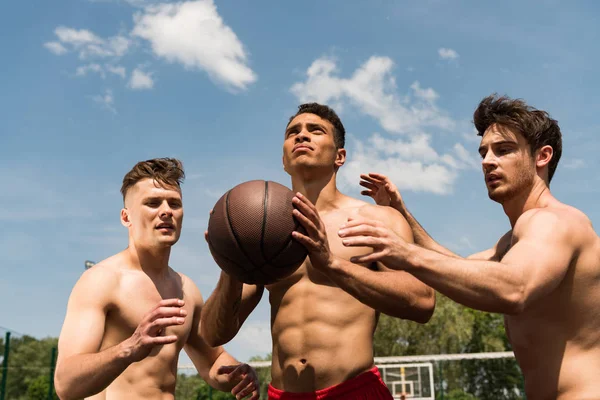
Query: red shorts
point(366, 386)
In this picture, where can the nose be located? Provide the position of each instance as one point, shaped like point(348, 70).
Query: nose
point(302, 136)
point(165, 211)
point(489, 162)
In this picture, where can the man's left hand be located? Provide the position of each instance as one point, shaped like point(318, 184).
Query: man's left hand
point(246, 378)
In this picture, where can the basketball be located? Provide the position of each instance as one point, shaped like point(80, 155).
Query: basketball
point(250, 233)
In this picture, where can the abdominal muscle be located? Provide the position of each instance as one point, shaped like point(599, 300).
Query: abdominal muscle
point(322, 336)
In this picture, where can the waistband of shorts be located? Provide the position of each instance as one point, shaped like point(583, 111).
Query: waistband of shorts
point(367, 377)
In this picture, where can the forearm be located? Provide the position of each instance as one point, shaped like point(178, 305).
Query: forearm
point(220, 314)
point(221, 381)
point(482, 285)
point(390, 292)
point(84, 375)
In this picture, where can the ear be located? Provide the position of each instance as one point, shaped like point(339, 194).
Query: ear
point(125, 218)
point(340, 158)
point(283, 163)
point(543, 156)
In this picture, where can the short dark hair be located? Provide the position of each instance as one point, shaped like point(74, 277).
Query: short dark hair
point(164, 171)
point(327, 113)
point(536, 126)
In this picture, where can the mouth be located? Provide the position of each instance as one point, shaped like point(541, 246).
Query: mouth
point(165, 227)
point(492, 178)
point(301, 148)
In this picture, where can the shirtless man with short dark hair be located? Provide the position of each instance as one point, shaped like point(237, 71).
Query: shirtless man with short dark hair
point(324, 315)
point(130, 315)
point(543, 274)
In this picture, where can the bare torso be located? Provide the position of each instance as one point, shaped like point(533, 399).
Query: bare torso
point(322, 335)
point(557, 339)
point(135, 295)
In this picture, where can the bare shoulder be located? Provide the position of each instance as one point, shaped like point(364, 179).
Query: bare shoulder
point(100, 282)
point(565, 219)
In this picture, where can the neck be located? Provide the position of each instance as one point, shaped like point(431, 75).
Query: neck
point(153, 261)
point(321, 190)
point(537, 196)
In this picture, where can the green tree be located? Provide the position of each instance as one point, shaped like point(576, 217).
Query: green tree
point(38, 389)
point(29, 359)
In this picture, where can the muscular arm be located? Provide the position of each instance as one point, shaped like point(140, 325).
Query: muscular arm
point(210, 360)
point(532, 268)
point(227, 308)
point(81, 370)
point(395, 293)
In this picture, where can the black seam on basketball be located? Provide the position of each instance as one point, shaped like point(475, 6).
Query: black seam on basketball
point(241, 268)
point(285, 244)
point(237, 239)
point(264, 222)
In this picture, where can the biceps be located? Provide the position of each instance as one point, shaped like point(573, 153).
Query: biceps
point(82, 331)
point(543, 267)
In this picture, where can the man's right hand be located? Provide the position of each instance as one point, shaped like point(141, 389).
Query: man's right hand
point(381, 189)
point(149, 333)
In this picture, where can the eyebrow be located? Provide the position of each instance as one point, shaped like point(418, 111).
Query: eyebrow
point(309, 125)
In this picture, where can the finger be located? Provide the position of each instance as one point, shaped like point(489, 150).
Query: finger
point(369, 193)
point(206, 236)
point(306, 207)
point(369, 185)
point(175, 302)
point(242, 386)
point(226, 369)
point(359, 221)
point(367, 258)
point(164, 312)
point(162, 340)
point(247, 391)
point(360, 230)
point(309, 225)
point(378, 177)
point(304, 240)
point(162, 323)
point(255, 395)
point(362, 241)
point(369, 177)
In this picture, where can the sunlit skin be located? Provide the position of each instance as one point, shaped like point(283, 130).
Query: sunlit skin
point(322, 316)
point(543, 274)
point(130, 315)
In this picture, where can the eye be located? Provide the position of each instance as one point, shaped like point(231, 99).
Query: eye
point(175, 204)
point(153, 203)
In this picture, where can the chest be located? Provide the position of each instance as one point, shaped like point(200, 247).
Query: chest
point(137, 297)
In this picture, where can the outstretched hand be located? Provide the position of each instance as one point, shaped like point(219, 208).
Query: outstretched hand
point(381, 189)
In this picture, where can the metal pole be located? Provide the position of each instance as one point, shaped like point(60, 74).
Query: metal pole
point(441, 379)
point(51, 382)
point(5, 366)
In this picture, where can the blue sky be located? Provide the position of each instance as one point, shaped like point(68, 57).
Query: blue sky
point(91, 87)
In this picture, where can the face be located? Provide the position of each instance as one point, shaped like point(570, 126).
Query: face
point(508, 165)
point(309, 143)
point(153, 214)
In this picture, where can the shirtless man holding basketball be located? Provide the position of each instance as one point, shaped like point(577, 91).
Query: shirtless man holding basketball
point(130, 315)
point(543, 274)
point(324, 315)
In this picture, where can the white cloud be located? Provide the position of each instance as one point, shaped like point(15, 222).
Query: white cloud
point(107, 100)
point(255, 335)
point(411, 162)
point(140, 80)
point(116, 69)
point(372, 89)
point(87, 43)
point(193, 33)
point(448, 54)
point(84, 69)
point(56, 48)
